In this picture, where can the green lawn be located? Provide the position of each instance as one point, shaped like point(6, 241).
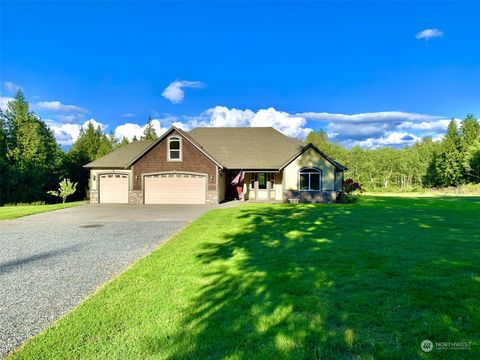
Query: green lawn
point(369, 280)
point(12, 212)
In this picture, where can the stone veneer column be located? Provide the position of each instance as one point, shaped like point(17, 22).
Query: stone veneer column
point(135, 197)
point(212, 197)
point(93, 197)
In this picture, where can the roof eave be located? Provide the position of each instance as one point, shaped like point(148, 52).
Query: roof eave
point(310, 145)
point(106, 167)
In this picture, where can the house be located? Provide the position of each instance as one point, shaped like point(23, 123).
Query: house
point(198, 167)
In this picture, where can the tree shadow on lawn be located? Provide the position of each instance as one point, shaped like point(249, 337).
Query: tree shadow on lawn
point(337, 282)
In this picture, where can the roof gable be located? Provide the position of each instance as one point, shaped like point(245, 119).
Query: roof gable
point(337, 165)
point(184, 135)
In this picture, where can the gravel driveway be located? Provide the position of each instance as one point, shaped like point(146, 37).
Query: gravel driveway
point(50, 262)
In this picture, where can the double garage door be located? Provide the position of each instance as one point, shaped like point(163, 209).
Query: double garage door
point(171, 188)
point(174, 189)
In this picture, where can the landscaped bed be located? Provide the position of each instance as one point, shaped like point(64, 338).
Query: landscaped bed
point(371, 279)
point(16, 211)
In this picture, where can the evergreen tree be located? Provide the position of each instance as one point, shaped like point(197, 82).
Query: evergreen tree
point(33, 157)
point(3, 159)
point(470, 145)
point(449, 161)
point(123, 142)
point(149, 132)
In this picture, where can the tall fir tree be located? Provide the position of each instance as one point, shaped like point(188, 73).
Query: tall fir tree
point(3, 159)
point(449, 160)
point(149, 133)
point(32, 155)
point(470, 147)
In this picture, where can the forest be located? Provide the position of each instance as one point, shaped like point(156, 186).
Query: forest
point(32, 162)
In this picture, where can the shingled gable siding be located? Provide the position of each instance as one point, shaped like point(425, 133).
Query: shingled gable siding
point(193, 160)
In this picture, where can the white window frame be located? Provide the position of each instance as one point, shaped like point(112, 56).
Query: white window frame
point(180, 150)
point(310, 170)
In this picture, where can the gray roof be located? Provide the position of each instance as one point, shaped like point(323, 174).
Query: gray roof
point(253, 148)
point(122, 157)
point(257, 148)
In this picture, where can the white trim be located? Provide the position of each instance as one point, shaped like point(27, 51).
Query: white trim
point(113, 172)
point(143, 175)
point(180, 149)
point(318, 171)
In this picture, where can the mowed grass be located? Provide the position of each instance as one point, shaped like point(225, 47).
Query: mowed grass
point(369, 280)
point(13, 212)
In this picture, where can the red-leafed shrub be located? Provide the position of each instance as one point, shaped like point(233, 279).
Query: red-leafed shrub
point(349, 188)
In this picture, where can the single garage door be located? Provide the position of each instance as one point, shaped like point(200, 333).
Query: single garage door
point(113, 189)
point(175, 189)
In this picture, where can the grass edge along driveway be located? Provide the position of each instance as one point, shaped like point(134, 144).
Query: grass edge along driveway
point(372, 279)
point(16, 211)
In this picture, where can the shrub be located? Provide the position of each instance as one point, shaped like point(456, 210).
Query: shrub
point(349, 190)
point(66, 188)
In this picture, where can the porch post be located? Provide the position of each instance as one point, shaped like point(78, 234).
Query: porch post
point(267, 176)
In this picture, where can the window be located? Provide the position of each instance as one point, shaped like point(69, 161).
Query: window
point(262, 181)
point(174, 149)
point(310, 179)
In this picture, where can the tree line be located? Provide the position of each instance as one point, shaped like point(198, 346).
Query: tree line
point(32, 163)
point(451, 162)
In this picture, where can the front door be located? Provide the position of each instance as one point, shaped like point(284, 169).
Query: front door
point(261, 186)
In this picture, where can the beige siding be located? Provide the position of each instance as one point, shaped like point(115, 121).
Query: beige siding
point(310, 158)
point(278, 186)
point(338, 181)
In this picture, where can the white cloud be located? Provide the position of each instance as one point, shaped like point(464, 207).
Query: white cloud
point(57, 106)
point(384, 128)
point(128, 115)
point(71, 118)
point(371, 130)
point(393, 138)
point(180, 125)
point(429, 126)
point(174, 92)
point(4, 101)
point(11, 87)
point(130, 130)
point(369, 117)
point(221, 116)
point(428, 34)
point(67, 134)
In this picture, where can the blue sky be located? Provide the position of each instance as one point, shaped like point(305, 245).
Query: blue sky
point(370, 74)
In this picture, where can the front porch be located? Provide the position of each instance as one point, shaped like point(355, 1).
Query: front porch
point(257, 186)
point(306, 185)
